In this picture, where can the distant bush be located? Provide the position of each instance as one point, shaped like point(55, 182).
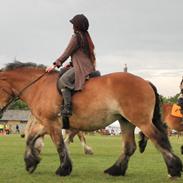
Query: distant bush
point(19, 104)
point(170, 99)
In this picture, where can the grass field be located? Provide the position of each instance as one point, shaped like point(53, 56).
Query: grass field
point(143, 168)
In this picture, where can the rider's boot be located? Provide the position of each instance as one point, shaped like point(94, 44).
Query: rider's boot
point(66, 109)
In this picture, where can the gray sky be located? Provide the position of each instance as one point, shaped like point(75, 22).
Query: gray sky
point(147, 35)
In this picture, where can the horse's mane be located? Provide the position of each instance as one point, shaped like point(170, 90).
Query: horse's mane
point(18, 64)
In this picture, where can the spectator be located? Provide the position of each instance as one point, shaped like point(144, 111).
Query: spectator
point(180, 98)
point(1, 129)
point(17, 129)
point(7, 129)
point(125, 68)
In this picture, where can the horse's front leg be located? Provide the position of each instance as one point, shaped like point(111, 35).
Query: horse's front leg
point(32, 152)
point(65, 167)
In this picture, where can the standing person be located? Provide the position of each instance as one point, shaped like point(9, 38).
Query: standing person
point(1, 128)
point(125, 68)
point(81, 51)
point(7, 129)
point(180, 98)
point(17, 129)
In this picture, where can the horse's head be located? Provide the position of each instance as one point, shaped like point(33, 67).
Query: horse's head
point(13, 78)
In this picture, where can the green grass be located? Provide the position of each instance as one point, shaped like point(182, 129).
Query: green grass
point(143, 168)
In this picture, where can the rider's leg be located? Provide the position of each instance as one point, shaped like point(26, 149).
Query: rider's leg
point(67, 107)
point(66, 84)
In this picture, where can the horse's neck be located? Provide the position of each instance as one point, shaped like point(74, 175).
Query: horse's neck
point(21, 80)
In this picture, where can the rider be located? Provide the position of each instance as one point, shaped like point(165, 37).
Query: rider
point(81, 50)
point(180, 98)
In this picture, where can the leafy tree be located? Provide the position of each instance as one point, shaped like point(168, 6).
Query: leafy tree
point(19, 104)
point(170, 99)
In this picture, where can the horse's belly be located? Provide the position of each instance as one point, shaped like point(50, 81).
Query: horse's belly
point(93, 122)
point(93, 114)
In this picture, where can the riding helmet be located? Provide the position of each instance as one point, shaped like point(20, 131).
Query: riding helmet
point(80, 22)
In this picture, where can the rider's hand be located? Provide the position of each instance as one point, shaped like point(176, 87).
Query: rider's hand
point(50, 68)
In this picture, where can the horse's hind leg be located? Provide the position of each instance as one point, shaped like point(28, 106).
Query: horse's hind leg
point(160, 140)
point(65, 167)
point(34, 133)
point(129, 147)
point(87, 149)
point(70, 134)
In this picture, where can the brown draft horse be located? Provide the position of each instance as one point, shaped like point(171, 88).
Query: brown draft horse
point(116, 96)
point(67, 134)
point(172, 122)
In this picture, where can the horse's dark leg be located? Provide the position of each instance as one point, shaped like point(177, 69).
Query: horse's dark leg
point(181, 148)
point(31, 156)
point(65, 162)
point(129, 147)
point(161, 141)
point(142, 142)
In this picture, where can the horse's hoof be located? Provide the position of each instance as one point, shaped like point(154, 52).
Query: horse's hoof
point(173, 178)
point(31, 163)
point(88, 151)
point(64, 171)
point(31, 169)
point(115, 171)
point(175, 167)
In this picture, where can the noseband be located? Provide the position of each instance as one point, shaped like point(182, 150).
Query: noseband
point(17, 97)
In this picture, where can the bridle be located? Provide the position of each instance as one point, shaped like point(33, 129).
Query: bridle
point(14, 98)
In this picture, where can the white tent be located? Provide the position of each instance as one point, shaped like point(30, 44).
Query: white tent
point(114, 128)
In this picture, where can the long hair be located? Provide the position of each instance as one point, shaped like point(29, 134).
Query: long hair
point(86, 43)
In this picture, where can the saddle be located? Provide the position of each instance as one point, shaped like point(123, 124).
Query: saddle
point(176, 111)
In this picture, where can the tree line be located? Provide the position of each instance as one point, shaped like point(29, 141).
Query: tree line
point(169, 99)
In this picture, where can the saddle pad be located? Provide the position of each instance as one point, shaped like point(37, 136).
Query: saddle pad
point(176, 111)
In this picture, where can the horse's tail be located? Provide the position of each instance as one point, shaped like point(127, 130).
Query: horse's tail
point(156, 121)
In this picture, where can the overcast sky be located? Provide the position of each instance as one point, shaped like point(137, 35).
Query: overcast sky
point(147, 35)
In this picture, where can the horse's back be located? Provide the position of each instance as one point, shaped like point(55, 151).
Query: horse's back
point(117, 81)
point(119, 86)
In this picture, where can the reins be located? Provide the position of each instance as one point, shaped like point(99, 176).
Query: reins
point(15, 98)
